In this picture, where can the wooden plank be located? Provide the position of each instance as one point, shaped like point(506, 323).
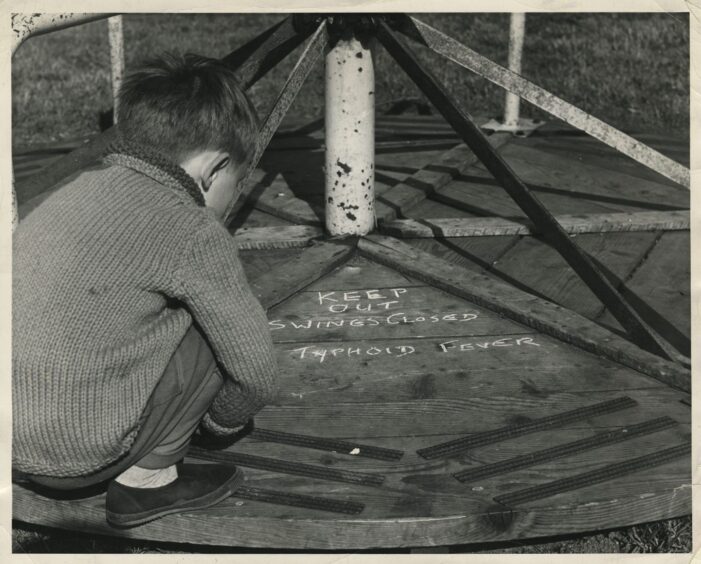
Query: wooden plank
point(573, 145)
point(583, 180)
point(572, 224)
point(421, 184)
point(276, 237)
point(522, 307)
point(295, 324)
point(298, 272)
point(637, 328)
point(474, 253)
point(526, 372)
point(277, 199)
point(543, 99)
point(357, 271)
point(434, 418)
point(479, 193)
point(537, 268)
point(660, 290)
point(258, 262)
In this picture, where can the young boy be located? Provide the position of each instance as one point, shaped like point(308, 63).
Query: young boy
point(132, 318)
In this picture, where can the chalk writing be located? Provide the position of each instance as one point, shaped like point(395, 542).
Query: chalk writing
point(454, 345)
point(336, 302)
point(339, 301)
point(321, 354)
point(399, 318)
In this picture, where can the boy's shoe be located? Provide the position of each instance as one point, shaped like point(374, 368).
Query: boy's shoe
point(196, 487)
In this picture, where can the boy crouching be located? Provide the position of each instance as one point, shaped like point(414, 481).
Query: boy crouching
point(132, 319)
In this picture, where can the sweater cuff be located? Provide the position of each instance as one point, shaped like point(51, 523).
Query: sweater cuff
point(219, 430)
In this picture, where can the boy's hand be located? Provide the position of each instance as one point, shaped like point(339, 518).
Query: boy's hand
point(213, 435)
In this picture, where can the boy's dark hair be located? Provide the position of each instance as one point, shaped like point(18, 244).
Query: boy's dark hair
point(180, 104)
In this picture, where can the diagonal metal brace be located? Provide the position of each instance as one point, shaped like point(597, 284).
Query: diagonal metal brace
point(254, 59)
point(314, 49)
point(640, 332)
point(448, 47)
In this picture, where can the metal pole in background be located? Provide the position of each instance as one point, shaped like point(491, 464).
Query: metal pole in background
point(350, 138)
point(28, 25)
point(116, 37)
point(25, 26)
point(516, 34)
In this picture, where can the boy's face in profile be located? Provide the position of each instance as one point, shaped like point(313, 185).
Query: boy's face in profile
point(217, 175)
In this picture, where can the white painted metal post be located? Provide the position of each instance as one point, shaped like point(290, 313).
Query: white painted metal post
point(350, 139)
point(116, 37)
point(516, 34)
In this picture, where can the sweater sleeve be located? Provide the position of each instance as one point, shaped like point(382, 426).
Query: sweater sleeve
point(215, 289)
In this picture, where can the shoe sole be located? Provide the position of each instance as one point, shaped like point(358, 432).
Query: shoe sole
point(124, 520)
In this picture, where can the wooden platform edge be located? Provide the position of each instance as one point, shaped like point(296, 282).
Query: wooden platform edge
point(293, 275)
point(676, 220)
point(496, 523)
point(540, 314)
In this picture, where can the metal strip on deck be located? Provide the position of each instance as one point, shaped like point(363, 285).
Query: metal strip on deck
point(604, 474)
point(287, 467)
point(297, 500)
point(458, 446)
point(332, 445)
point(560, 451)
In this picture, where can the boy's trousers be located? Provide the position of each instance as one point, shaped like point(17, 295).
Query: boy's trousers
point(175, 408)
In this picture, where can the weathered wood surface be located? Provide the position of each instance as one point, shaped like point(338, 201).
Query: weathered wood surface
point(581, 179)
point(415, 401)
point(572, 224)
point(423, 183)
point(525, 308)
point(278, 199)
point(267, 529)
point(435, 393)
point(561, 140)
point(297, 272)
point(660, 288)
point(537, 268)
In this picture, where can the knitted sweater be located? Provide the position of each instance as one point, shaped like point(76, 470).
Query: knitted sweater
point(108, 273)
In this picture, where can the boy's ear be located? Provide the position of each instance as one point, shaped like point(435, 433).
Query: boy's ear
point(211, 167)
point(204, 166)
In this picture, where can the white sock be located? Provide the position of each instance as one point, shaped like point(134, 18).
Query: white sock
point(138, 477)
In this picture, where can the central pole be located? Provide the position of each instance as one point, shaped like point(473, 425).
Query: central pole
point(350, 137)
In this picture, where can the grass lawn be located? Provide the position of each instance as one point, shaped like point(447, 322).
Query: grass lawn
point(630, 70)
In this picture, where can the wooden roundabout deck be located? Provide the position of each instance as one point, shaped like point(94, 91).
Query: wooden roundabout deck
point(451, 327)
